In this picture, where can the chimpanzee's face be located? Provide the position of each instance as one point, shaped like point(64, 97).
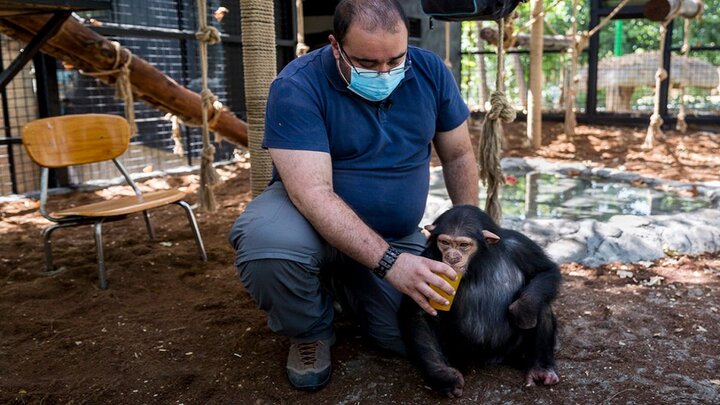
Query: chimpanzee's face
point(457, 251)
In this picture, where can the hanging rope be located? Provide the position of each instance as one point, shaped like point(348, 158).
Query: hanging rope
point(580, 42)
point(490, 143)
point(681, 125)
point(448, 62)
point(301, 48)
point(655, 128)
point(123, 87)
point(207, 35)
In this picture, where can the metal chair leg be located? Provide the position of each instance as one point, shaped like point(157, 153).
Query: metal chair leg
point(100, 256)
point(148, 225)
point(195, 229)
point(47, 244)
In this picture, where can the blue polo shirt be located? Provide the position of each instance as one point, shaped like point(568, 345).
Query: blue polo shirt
point(380, 151)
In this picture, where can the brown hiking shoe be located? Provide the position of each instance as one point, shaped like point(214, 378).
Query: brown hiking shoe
point(308, 365)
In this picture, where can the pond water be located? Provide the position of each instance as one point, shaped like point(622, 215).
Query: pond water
point(543, 195)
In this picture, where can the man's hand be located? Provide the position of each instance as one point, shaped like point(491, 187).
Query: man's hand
point(412, 275)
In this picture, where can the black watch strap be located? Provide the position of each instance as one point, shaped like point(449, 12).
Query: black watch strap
point(387, 261)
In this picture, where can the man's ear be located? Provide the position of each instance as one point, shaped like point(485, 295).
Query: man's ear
point(334, 46)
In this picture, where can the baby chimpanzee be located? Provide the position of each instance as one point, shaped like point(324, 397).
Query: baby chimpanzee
point(501, 312)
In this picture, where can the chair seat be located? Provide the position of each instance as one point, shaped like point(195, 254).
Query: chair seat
point(124, 205)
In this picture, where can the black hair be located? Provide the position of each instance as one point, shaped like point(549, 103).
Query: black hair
point(371, 14)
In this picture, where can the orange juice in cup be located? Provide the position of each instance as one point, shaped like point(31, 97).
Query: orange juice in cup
point(454, 284)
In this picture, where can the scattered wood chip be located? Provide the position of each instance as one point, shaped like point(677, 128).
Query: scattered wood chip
point(625, 274)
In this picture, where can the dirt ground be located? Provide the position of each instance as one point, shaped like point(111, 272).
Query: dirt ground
point(171, 329)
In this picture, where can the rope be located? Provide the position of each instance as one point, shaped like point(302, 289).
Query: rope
point(301, 48)
point(447, 61)
point(490, 142)
point(681, 125)
point(656, 121)
point(178, 148)
point(123, 87)
point(259, 59)
point(207, 35)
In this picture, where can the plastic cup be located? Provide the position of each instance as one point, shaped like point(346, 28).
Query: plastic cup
point(454, 284)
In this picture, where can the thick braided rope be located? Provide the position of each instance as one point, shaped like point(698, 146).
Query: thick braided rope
point(123, 87)
point(206, 35)
point(258, 37)
point(491, 137)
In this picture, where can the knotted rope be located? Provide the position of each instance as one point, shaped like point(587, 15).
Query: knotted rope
point(580, 42)
point(681, 125)
point(656, 121)
point(123, 87)
point(207, 35)
point(491, 137)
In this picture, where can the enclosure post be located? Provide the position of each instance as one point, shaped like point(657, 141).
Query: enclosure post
point(534, 117)
point(593, 50)
point(665, 84)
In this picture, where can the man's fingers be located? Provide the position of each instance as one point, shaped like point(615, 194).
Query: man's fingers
point(442, 284)
point(431, 294)
point(444, 269)
point(424, 304)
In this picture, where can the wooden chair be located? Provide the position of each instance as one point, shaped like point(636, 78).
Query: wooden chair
point(71, 140)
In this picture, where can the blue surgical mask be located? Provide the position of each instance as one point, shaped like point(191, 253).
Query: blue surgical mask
point(373, 85)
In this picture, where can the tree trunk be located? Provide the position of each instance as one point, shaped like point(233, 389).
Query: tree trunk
point(483, 91)
point(520, 75)
point(661, 10)
point(534, 117)
point(87, 50)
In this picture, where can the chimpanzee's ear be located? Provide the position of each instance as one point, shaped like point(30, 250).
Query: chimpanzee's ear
point(430, 227)
point(490, 237)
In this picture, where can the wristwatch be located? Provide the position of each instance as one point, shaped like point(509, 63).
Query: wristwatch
point(387, 261)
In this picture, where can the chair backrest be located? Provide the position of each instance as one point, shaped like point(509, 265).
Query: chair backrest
point(76, 139)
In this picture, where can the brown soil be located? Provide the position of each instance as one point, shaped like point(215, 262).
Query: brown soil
point(170, 329)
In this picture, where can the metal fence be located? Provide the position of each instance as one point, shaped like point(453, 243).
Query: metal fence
point(159, 31)
point(625, 75)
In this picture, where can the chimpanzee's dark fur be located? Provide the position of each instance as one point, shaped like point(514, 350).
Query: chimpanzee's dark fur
point(482, 327)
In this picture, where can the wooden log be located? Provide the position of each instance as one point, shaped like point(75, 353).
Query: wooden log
point(661, 10)
point(87, 50)
point(534, 116)
point(551, 42)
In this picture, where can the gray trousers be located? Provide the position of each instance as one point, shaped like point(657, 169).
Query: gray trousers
point(294, 275)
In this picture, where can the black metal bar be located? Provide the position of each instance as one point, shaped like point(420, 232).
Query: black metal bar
point(593, 50)
point(9, 141)
point(185, 131)
point(46, 32)
point(627, 12)
point(665, 84)
point(128, 30)
point(48, 99)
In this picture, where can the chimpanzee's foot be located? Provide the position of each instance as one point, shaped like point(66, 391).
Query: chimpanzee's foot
point(448, 381)
point(541, 376)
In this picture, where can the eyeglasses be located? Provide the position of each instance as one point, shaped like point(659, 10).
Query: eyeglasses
point(394, 71)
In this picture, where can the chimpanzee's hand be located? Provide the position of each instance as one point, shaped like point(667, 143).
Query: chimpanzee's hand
point(524, 312)
point(412, 275)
